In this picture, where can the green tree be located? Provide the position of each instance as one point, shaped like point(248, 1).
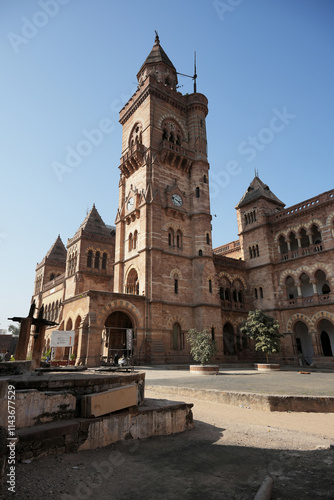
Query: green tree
point(14, 330)
point(202, 346)
point(264, 330)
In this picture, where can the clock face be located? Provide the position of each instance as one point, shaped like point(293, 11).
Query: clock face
point(177, 200)
point(130, 203)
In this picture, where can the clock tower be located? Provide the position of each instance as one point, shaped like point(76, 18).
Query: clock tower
point(163, 223)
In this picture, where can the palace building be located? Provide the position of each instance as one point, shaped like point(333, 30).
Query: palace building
point(154, 275)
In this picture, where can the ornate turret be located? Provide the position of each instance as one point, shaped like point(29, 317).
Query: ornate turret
point(158, 65)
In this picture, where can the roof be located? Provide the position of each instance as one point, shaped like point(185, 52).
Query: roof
point(157, 55)
point(93, 224)
point(57, 252)
point(257, 189)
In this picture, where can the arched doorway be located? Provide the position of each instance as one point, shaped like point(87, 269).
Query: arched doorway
point(116, 326)
point(228, 339)
point(326, 330)
point(303, 341)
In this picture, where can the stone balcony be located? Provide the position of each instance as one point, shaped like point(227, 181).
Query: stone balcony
point(300, 252)
point(313, 300)
point(229, 305)
point(132, 159)
point(176, 156)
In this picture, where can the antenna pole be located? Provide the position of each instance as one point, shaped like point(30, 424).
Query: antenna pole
point(195, 75)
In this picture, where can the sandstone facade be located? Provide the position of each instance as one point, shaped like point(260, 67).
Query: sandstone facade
point(155, 275)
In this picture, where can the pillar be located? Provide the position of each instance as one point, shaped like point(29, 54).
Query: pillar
point(24, 337)
point(94, 345)
point(317, 350)
point(37, 349)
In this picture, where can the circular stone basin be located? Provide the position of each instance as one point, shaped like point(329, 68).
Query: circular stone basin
point(264, 367)
point(204, 369)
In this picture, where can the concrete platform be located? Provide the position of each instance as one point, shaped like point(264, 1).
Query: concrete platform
point(284, 390)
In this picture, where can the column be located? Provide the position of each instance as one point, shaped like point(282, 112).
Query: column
point(317, 350)
point(37, 349)
point(24, 337)
point(94, 345)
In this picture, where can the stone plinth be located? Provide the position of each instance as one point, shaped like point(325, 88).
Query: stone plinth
point(204, 369)
point(267, 367)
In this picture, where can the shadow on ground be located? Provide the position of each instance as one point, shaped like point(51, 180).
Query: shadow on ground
point(193, 465)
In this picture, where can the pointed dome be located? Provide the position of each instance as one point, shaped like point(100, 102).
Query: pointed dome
point(93, 224)
point(57, 252)
point(157, 63)
point(257, 189)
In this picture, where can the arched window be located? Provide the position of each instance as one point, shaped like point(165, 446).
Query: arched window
point(207, 239)
point(171, 137)
point(283, 246)
point(132, 284)
point(210, 286)
point(306, 286)
point(235, 296)
point(240, 296)
point(261, 292)
point(104, 261)
point(213, 333)
point(255, 293)
point(304, 239)
point(322, 282)
point(316, 235)
point(130, 242)
point(227, 294)
point(97, 260)
point(170, 237)
point(52, 276)
point(177, 337)
point(179, 239)
point(205, 180)
point(197, 192)
point(136, 135)
point(291, 289)
point(200, 253)
point(89, 258)
point(176, 285)
point(293, 242)
point(134, 241)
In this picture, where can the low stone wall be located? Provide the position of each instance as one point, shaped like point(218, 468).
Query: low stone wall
point(155, 418)
point(33, 407)
point(317, 404)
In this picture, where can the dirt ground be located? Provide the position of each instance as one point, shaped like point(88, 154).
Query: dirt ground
point(226, 456)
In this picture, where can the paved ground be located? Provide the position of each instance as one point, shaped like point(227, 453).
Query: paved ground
point(286, 381)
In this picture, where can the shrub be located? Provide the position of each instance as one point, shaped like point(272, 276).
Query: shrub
point(264, 330)
point(202, 346)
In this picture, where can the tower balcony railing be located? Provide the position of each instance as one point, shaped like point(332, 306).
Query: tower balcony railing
point(300, 252)
point(132, 159)
point(51, 284)
point(176, 155)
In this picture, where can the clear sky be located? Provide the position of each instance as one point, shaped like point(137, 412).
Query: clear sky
point(266, 67)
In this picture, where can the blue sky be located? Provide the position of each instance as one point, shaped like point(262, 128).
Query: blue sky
point(69, 66)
